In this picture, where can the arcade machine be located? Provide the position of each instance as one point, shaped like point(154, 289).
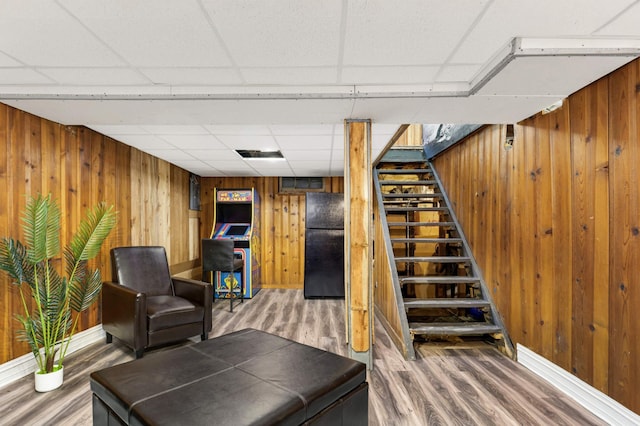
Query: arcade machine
point(236, 214)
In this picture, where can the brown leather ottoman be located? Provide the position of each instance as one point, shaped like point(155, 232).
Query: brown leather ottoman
point(248, 377)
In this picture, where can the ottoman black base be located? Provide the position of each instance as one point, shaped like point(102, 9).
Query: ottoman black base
point(248, 377)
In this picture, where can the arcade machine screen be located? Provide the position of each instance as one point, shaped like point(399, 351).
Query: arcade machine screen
point(234, 213)
point(236, 231)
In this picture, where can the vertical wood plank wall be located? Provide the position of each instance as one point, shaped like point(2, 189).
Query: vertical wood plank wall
point(281, 228)
point(80, 168)
point(555, 226)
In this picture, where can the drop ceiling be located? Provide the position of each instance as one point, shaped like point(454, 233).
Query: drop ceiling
point(191, 81)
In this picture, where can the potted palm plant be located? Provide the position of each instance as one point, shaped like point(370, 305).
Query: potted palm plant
point(48, 323)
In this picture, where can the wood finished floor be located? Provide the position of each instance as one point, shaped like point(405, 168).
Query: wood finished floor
point(452, 385)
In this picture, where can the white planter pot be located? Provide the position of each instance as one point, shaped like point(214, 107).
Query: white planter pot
point(46, 382)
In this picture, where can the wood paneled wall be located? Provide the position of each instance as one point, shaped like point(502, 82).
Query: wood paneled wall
point(282, 225)
point(555, 226)
point(80, 168)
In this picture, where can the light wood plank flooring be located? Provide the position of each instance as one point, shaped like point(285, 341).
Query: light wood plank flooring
point(446, 385)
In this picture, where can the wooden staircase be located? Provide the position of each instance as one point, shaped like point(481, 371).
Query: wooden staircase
point(444, 296)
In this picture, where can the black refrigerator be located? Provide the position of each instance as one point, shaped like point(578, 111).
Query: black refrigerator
point(324, 245)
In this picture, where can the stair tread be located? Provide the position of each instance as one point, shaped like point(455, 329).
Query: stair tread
point(410, 195)
point(446, 303)
point(434, 259)
point(403, 171)
point(427, 240)
point(408, 182)
point(404, 154)
point(440, 279)
point(395, 224)
point(416, 209)
point(454, 328)
point(405, 202)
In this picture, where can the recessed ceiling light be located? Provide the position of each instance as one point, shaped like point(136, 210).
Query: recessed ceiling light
point(251, 154)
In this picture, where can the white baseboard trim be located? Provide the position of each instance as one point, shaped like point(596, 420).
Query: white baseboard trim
point(25, 365)
point(603, 406)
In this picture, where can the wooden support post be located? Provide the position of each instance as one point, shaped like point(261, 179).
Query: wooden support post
point(358, 240)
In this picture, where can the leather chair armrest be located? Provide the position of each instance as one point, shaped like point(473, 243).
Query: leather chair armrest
point(124, 314)
point(198, 292)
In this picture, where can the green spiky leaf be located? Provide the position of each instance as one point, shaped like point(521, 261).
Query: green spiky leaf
point(83, 295)
point(12, 258)
point(41, 225)
point(92, 232)
point(47, 323)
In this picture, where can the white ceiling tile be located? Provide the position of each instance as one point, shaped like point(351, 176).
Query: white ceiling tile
point(249, 141)
point(313, 164)
point(175, 129)
point(311, 142)
point(191, 142)
point(238, 129)
point(290, 75)
point(242, 173)
point(123, 129)
point(385, 74)
point(205, 171)
point(214, 154)
point(153, 34)
point(306, 155)
point(60, 40)
point(623, 25)
point(194, 166)
point(385, 25)
point(22, 76)
point(225, 166)
point(308, 170)
point(286, 172)
point(302, 129)
point(144, 142)
point(236, 168)
point(170, 154)
point(7, 61)
point(192, 76)
point(94, 76)
point(267, 164)
point(279, 33)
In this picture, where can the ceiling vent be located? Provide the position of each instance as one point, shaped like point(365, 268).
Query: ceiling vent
point(251, 154)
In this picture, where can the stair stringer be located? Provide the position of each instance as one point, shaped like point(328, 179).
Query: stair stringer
point(393, 320)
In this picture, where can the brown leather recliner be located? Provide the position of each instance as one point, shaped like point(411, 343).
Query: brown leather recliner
point(144, 306)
